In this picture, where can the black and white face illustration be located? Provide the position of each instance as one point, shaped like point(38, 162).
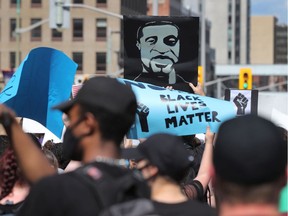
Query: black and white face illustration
point(159, 47)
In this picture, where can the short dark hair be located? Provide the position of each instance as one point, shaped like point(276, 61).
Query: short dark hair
point(153, 23)
point(230, 192)
point(112, 126)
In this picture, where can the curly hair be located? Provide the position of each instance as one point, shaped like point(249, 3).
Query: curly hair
point(9, 172)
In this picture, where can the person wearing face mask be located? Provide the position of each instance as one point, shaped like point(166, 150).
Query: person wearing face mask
point(99, 117)
point(163, 162)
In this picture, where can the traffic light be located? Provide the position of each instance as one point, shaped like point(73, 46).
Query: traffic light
point(245, 78)
point(200, 75)
point(59, 15)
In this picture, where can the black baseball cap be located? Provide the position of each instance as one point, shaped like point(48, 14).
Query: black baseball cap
point(165, 151)
point(249, 150)
point(104, 92)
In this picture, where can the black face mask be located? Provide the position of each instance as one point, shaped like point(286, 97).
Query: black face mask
point(71, 148)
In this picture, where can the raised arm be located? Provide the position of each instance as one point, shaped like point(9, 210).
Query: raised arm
point(32, 161)
point(203, 175)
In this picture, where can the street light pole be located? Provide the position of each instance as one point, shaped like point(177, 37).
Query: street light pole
point(17, 60)
point(203, 41)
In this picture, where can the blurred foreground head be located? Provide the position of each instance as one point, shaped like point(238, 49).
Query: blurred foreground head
point(103, 106)
point(250, 159)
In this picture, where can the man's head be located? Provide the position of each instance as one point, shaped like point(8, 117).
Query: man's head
point(159, 46)
point(103, 106)
point(250, 159)
point(165, 152)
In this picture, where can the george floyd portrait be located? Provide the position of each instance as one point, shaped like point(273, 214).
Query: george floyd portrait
point(161, 50)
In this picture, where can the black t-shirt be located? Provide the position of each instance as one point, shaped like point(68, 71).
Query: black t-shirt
point(188, 208)
point(65, 194)
point(10, 209)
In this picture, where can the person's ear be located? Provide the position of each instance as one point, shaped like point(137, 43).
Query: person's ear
point(91, 122)
point(153, 170)
point(138, 45)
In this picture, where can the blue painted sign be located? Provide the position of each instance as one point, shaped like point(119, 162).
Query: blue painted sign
point(176, 112)
point(43, 80)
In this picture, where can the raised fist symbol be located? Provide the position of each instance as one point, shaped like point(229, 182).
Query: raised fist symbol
point(241, 103)
point(143, 112)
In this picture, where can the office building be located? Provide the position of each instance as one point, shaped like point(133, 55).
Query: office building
point(92, 39)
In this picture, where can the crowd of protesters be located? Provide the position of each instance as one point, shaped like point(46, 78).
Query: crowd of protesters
point(241, 171)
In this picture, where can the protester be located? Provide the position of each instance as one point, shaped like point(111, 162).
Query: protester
point(51, 158)
point(25, 149)
point(250, 161)
point(13, 186)
point(163, 161)
point(57, 149)
point(100, 115)
point(196, 188)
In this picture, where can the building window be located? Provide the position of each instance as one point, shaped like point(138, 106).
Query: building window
point(78, 1)
point(77, 29)
point(36, 32)
point(101, 62)
point(13, 3)
point(56, 35)
point(78, 58)
point(12, 59)
point(101, 3)
point(12, 29)
point(101, 29)
point(36, 3)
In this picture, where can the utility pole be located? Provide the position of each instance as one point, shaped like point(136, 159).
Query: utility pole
point(155, 8)
point(17, 60)
point(203, 41)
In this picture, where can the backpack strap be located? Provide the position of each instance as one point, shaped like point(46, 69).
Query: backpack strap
point(92, 185)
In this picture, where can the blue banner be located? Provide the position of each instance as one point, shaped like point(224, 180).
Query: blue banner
point(42, 80)
point(176, 112)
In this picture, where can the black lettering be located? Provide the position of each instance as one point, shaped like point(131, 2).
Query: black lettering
point(184, 106)
point(214, 114)
point(199, 116)
point(180, 97)
point(188, 97)
point(169, 121)
point(190, 117)
point(168, 109)
point(195, 98)
point(182, 120)
point(207, 117)
point(170, 98)
point(163, 98)
point(194, 106)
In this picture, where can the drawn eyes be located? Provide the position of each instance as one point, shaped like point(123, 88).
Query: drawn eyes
point(170, 40)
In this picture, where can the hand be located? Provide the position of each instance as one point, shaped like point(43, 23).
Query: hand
point(197, 89)
point(241, 103)
point(209, 135)
point(7, 116)
point(169, 88)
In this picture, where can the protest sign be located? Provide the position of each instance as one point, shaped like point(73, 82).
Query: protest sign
point(176, 112)
point(161, 50)
point(43, 79)
point(245, 101)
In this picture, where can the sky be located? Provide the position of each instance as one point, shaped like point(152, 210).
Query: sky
point(276, 8)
